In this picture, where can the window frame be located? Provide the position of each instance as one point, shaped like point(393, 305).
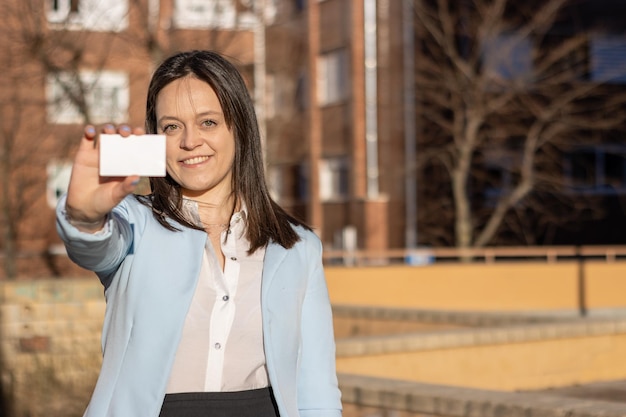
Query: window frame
point(91, 15)
point(334, 179)
point(62, 110)
point(333, 77)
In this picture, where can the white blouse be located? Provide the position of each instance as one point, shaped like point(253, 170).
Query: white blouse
point(222, 342)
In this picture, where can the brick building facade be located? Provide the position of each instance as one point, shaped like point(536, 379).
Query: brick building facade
point(341, 152)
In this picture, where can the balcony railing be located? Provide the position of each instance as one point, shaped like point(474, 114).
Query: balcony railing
point(424, 256)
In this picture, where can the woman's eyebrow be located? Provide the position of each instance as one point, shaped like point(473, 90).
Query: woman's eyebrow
point(210, 113)
point(162, 118)
point(202, 114)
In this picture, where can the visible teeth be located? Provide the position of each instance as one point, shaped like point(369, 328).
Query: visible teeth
point(195, 160)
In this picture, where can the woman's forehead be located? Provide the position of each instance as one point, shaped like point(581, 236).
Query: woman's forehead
point(185, 94)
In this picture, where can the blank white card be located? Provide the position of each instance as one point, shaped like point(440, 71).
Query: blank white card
point(142, 155)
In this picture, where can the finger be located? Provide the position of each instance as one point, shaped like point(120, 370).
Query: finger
point(90, 132)
point(124, 130)
point(139, 131)
point(108, 129)
point(90, 138)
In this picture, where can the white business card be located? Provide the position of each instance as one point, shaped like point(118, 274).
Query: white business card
point(142, 155)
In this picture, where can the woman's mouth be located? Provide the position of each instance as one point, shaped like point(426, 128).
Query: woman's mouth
point(195, 160)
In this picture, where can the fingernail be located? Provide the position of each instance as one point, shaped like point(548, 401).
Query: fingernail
point(90, 130)
point(109, 126)
point(125, 128)
point(134, 182)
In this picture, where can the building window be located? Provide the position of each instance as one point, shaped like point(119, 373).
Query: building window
point(300, 5)
point(270, 9)
point(332, 79)
point(600, 170)
point(222, 14)
point(608, 59)
point(277, 88)
point(288, 182)
point(199, 14)
point(58, 181)
point(334, 179)
point(508, 58)
point(302, 92)
point(104, 97)
point(60, 11)
point(93, 15)
point(248, 12)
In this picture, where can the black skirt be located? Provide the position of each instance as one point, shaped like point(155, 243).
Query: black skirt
point(252, 403)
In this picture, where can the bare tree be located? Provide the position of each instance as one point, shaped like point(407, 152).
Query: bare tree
point(504, 92)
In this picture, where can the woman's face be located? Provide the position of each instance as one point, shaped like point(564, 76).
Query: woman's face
point(200, 147)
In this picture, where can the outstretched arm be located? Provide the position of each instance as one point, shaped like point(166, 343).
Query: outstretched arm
point(90, 198)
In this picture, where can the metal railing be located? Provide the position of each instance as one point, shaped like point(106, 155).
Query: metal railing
point(424, 256)
point(606, 253)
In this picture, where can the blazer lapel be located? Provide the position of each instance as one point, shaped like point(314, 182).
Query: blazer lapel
point(274, 256)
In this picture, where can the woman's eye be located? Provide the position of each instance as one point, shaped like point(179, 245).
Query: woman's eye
point(208, 123)
point(169, 128)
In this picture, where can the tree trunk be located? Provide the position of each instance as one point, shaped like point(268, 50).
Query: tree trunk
point(460, 175)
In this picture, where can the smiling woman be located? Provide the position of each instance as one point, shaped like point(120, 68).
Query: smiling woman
point(216, 297)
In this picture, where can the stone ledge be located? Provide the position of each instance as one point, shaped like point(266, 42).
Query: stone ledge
point(51, 290)
point(410, 342)
point(451, 401)
point(462, 318)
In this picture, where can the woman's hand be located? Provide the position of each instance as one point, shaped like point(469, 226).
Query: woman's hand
point(91, 197)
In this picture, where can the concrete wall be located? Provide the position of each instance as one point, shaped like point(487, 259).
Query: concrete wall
point(521, 286)
point(522, 357)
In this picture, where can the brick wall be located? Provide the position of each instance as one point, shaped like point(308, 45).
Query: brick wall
point(50, 345)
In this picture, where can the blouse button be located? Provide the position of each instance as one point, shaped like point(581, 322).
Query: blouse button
point(233, 258)
point(225, 298)
point(218, 346)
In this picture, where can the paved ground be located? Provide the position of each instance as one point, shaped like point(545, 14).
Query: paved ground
point(614, 391)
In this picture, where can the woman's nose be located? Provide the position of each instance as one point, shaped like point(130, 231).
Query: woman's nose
point(191, 139)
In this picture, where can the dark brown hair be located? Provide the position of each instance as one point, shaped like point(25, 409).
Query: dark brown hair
point(266, 221)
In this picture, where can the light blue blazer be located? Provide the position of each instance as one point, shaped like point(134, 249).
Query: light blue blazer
point(149, 275)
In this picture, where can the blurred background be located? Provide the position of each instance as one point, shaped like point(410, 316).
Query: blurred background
point(463, 162)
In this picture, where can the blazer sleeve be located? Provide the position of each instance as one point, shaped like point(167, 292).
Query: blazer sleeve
point(318, 391)
point(103, 251)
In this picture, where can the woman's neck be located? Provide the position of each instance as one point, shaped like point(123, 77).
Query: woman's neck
point(217, 204)
point(215, 212)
